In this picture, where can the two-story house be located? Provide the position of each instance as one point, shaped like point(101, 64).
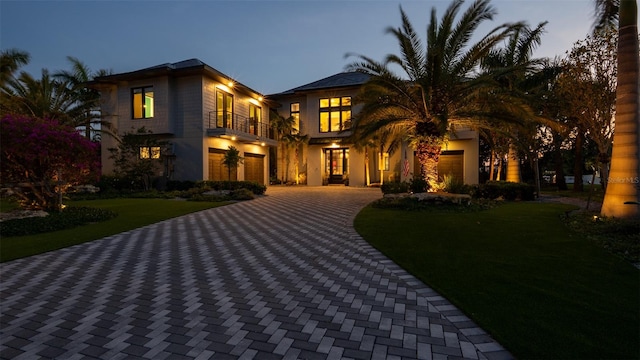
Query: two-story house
point(198, 110)
point(323, 109)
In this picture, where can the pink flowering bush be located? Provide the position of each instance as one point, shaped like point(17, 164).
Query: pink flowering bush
point(40, 159)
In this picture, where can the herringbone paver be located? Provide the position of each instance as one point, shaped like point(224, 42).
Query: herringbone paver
point(284, 276)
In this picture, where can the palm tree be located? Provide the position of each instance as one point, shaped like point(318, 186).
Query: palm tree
point(10, 61)
point(513, 63)
point(45, 98)
point(282, 127)
point(439, 92)
point(85, 111)
point(622, 196)
point(232, 159)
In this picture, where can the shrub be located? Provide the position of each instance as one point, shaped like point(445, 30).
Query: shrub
point(418, 185)
point(507, 190)
point(254, 187)
point(454, 185)
point(241, 194)
point(394, 188)
point(68, 218)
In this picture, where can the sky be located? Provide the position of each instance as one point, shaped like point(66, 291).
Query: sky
point(270, 45)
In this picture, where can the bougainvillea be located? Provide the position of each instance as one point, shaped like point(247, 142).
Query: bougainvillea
point(41, 158)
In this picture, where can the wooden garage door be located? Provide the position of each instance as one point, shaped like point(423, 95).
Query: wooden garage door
point(254, 168)
point(451, 163)
point(217, 170)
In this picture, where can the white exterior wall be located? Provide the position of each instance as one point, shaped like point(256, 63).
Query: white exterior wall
point(181, 113)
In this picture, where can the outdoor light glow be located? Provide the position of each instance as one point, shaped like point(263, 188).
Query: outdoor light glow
point(262, 143)
point(230, 84)
point(233, 138)
point(260, 98)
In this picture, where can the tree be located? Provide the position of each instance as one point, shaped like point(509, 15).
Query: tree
point(294, 141)
point(282, 127)
point(512, 64)
point(10, 61)
point(85, 110)
point(232, 159)
point(587, 87)
point(44, 98)
point(139, 157)
point(41, 158)
point(623, 191)
point(440, 92)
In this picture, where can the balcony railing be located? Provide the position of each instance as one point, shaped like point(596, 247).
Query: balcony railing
point(238, 124)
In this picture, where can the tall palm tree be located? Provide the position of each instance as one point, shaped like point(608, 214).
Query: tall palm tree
point(514, 63)
point(622, 196)
point(438, 91)
point(85, 111)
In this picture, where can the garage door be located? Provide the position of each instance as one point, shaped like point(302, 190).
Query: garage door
point(254, 168)
point(217, 170)
point(451, 163)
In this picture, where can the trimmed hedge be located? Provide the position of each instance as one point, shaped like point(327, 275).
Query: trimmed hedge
point(254, 187)
point(68, 218)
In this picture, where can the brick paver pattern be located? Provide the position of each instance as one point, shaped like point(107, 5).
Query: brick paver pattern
point(284, 276)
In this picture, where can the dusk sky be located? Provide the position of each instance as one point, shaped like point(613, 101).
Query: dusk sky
point(270, 46)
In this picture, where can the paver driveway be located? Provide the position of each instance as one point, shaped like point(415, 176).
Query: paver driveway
point(282, 276)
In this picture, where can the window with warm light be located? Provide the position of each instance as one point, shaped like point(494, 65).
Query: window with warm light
point(142, 102)
point(335, 113)
point(295, 114)
point(149, 152)
point(255, 119)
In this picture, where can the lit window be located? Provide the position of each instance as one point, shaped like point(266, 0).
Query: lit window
point(295, 114)
point(149, 152)
point(335, 113)
point(142, 102)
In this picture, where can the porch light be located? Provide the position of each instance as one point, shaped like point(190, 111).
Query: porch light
point(260, 98)
point(233, 138)
point(334, 145)
point(262, 144)
point(230, 84)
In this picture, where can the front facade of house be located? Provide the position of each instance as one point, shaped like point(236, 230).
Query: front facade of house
point(199, 111)
point(323, 109)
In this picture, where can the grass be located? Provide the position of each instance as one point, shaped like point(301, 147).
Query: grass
point(132, 213)
point(595, 191)
point(540, 289)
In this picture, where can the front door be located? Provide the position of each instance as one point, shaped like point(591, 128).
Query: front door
point(336, 165)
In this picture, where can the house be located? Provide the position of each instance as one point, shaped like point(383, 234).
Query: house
point(198, 110)
point(322, 110)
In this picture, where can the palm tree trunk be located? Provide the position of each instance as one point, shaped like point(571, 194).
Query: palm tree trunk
point(367, 166)
point(429, 155)
point(492, 165)
point(513, 165)
point(623, 188)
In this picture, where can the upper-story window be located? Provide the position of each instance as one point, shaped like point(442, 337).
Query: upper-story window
point(294, 112)
point(334, 113)
point(224, 109)
point(142, 102)
point(255, 120)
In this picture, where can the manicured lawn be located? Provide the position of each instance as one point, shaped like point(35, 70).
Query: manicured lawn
point(132, 213)
point(541, 290)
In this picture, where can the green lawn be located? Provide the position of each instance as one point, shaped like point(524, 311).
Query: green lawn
point(540, 289)
point(132, 213)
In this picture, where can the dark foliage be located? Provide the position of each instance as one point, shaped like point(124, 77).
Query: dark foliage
point(507, 190)
point(68, 218)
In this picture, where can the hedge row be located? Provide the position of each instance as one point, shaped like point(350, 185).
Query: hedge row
point(68, 218)
point(491, 190)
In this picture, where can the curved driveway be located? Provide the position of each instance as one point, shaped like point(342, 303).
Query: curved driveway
point(284, 276)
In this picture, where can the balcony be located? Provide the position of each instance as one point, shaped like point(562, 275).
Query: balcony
point(240, 128)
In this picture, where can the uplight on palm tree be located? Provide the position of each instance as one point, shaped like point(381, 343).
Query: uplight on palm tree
point(439, 91)
point(622, 197)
